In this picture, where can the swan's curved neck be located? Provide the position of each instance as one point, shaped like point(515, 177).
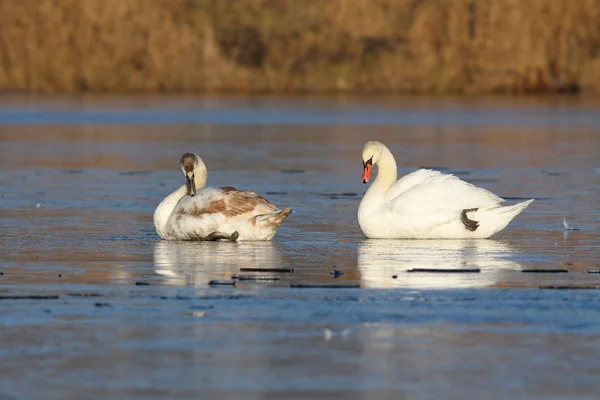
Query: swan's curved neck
point(387, 173)
point(165, 208)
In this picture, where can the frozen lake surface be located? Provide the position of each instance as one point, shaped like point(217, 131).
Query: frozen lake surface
point(93, 304)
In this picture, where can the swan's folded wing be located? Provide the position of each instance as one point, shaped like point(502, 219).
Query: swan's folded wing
point(227, 202)
point(245, 201)
point(440, 193)
point(410, 181)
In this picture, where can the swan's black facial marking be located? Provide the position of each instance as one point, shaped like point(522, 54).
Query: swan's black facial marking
point(367, 167)
point(470, 225)
point(188, 163)
point(190, 184)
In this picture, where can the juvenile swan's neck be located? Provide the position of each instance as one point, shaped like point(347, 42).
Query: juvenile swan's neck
point(165, 208)
point(387, 174)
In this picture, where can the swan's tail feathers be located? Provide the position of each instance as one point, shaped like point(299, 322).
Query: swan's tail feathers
point(495, 218)
point(515, 209)
point(274, 219)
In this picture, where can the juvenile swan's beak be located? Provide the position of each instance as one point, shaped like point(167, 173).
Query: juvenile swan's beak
point(191, 185)
point(368, 166)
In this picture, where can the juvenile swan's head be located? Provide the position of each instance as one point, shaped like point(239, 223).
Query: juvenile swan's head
point(370, 155)
point(194, 171)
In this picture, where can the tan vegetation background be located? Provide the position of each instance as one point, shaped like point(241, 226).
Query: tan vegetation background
point(407, 46)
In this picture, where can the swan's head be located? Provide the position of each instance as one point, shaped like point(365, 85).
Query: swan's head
point(195, 172)
point(370, 155)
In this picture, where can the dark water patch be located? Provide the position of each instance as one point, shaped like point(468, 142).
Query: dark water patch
point(594, 271)
point(293, 171)
point(102, 305)
point(247, 269)
point(211, 294)
point(277, 193)
point(142, 283)
point(72, 171)
point(224, 296)
point(119, 238)
point(554, 173)
point(545, 271)
point(254, 278)
point(446, 270)
point(176, 297)
point(202, 307)
point(342, 194)
point(29, 297)
point(221, 282)
point(135, 172)
point(83, 294)
point(343, 198)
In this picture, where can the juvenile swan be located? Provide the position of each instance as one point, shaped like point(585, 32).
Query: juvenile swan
point(426, 204)
point(194, 212)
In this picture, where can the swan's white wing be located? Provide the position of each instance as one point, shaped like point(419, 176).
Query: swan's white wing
point(409, 181)
point(440, 193)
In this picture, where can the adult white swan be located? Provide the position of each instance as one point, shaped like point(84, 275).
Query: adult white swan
point(426, 204)
point(194, 212)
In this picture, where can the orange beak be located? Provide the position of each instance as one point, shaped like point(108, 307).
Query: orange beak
point(367, 173)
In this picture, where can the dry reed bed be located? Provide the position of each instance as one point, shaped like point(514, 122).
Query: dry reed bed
point(407, 46)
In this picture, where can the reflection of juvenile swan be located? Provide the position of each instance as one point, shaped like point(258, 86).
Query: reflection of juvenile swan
point(196, 263)
point(379, 260)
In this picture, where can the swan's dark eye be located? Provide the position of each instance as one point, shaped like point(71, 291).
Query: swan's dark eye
point(368, 162)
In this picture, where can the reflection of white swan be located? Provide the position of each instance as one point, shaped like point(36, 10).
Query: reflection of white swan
point(379, 260)
point(196, 263)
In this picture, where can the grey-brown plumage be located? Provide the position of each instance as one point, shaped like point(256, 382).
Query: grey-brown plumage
point(197, 212)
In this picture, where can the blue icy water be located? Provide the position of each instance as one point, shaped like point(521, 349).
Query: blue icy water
point(80, 178)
